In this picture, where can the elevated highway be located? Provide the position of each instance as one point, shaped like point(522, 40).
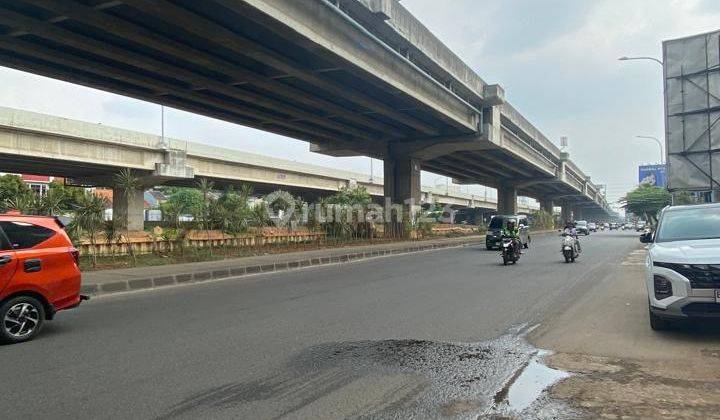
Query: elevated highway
point(90, 154)
point(352, 77)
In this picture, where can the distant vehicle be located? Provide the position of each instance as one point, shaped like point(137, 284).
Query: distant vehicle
point(614, 226)
point(606, 225)
point(39, 274)
point(493, 239)
point(582, 227)
point(682, 273)
point(640, 226)
point(592, 227)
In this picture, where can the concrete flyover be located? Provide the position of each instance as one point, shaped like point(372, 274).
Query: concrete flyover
point(352, 77)
point(90, 154)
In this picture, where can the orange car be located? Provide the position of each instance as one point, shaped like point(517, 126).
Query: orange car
point(39, 274)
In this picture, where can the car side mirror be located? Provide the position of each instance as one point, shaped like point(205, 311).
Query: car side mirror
point(646, 238)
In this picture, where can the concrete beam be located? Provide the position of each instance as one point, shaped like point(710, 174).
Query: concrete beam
point(319, 24)
point(430, 148)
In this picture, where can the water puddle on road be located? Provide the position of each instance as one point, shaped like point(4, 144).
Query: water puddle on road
point(526, 388)
point(503, 377)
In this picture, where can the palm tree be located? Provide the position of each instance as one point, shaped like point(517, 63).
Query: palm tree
point(89, 219)
point(128, 183)
point(112, 235)
point(231, 212)
point(51, 204)
point(25, 203)
point(206, 187)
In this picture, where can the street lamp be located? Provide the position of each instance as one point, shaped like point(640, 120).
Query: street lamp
point(624, 58)
point(659, 143)
point(641, 58)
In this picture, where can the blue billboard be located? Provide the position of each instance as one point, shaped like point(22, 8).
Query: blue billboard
point(653, 175)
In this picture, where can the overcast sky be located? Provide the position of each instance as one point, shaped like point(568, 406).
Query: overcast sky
point(556, 60)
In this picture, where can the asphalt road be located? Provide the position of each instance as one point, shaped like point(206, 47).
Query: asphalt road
point(425, 334)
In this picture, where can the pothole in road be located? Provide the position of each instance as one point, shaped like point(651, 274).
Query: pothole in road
point(502, 377)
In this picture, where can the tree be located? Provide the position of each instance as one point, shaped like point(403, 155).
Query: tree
point(543, 220)
point(646, 201)
point(14, 192)
point(89, 219)
point(128, 183)
point(24, 203)
point(180, 201)
point(344, 203)
point(202, 216)
point(232, 212)
point(66, 197)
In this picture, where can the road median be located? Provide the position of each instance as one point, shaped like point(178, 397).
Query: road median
point(105, 282)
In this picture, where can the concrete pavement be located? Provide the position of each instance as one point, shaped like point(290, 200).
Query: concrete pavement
point(627, 370)
point(424, 334)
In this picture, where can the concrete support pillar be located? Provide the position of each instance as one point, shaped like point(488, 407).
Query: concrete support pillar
point(577, 213)
point(402, 186)
point(402, 179)
point(507, 199)
point(128, 209)
point(547, 205)
point(565, 212)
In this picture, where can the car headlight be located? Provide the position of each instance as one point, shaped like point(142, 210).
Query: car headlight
point(663, 287)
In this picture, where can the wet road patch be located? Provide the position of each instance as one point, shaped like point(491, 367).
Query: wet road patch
point(390, 379)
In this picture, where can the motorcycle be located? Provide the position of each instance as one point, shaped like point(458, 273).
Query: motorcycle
point(569, 248)
point(509, 251)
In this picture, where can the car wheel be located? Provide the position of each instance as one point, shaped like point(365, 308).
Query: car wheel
point(21, 319)
point(657, 323)
point(488, 247)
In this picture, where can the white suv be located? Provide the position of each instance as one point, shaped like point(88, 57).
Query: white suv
point(682, 271)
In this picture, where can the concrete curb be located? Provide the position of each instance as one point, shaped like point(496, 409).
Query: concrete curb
point(121, 286)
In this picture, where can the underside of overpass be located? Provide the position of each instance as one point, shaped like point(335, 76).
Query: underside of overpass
point(219, 58)
point(331, 73)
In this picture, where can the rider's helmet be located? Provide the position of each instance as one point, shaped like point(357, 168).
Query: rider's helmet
point(569, 224)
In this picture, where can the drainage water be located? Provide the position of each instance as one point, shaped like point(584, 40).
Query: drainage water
point(529, 384)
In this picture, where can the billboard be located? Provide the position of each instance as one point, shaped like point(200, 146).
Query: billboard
point(654, 175)
point(691, 69)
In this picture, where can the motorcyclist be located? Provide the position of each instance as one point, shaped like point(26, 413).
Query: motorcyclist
point(512, 232)
point(570, 230)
